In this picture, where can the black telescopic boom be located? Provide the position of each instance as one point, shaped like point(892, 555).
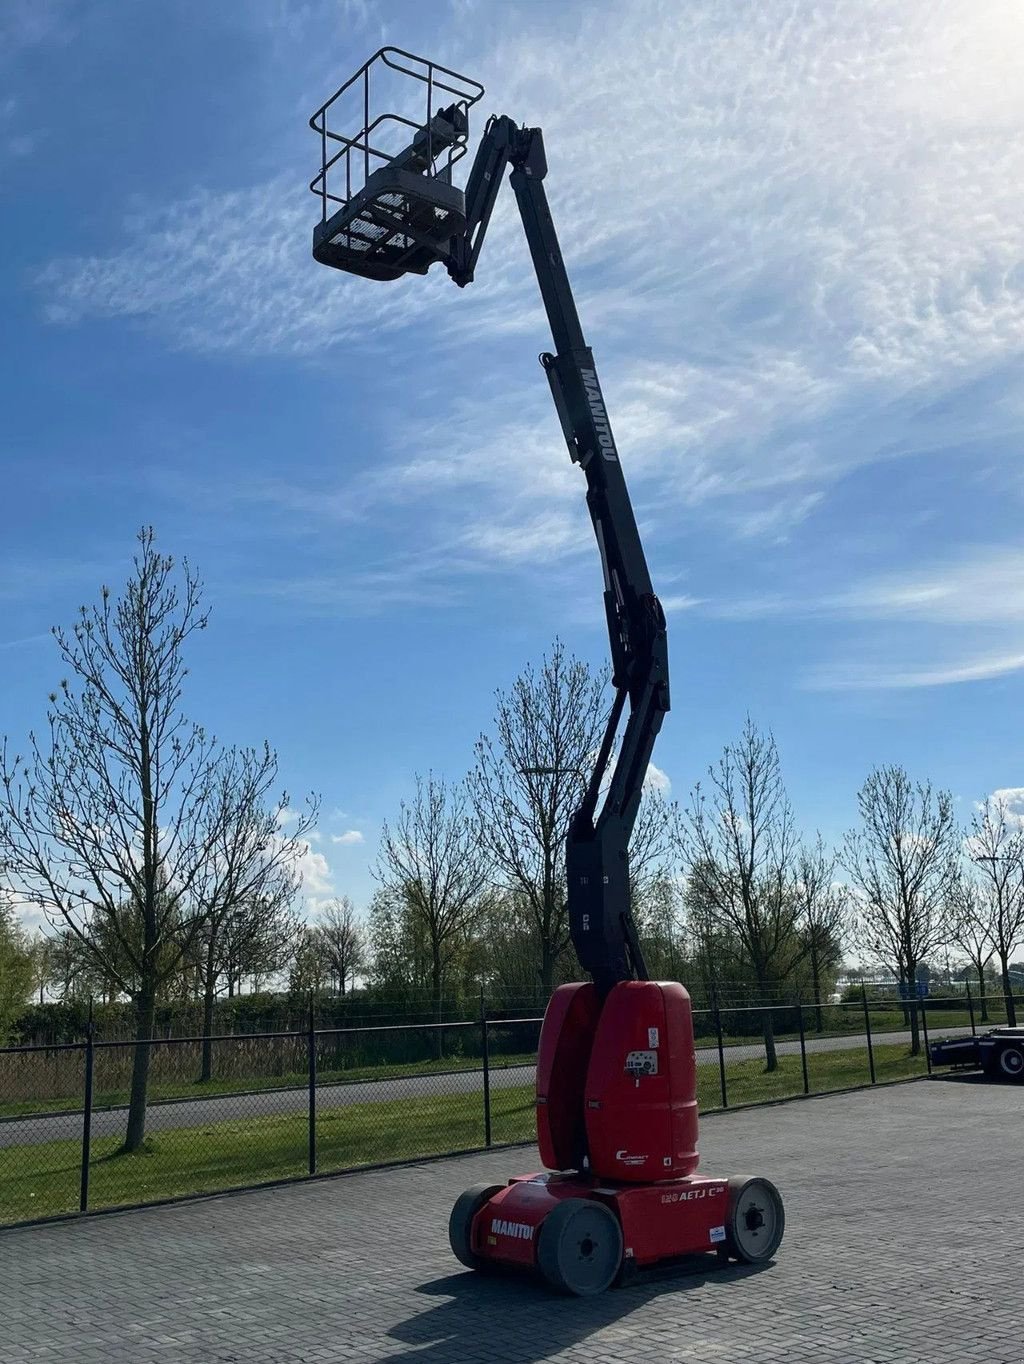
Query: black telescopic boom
point(597, 849)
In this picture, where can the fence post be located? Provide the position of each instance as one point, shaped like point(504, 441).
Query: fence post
point(970, 1009)
point(924, 1029)
point(867, 1030)
point(311, 1048)
point(487, 1068)
point(721, 1055)
point(83, 1193)
point(803, 1047)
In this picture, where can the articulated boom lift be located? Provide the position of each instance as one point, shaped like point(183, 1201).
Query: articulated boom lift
point(616, 1070)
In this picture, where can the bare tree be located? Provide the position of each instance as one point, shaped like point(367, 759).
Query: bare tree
point(718, 961)
point(259, 937)
point(528, 781)
point(17, 973)
point(43, 947)
point(434, 862)
point(739, 846)
point(972, 926)
point(341, 940)
point(309, 968)
point(823, 909)
point(657, 908)
point(507, 932)
point(654, 890)
point(398, 950)
point(106, 823)
point(251, 873)
point(72, 966)
point(901, 862)
point(995, 843)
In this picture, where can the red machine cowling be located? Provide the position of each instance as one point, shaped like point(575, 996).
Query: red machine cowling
point(641, 1088)
point(563, 1057)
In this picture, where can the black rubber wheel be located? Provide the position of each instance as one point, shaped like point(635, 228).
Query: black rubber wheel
point(1011, 1063)
point(755, 1220)
point(460, 1223)
point(579, 1248)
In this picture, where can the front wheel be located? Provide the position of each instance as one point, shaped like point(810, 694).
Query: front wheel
point(755, 1220)
point(579, 1248)
point(460, 1223)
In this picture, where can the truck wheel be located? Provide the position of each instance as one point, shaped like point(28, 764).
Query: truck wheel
point(460, 1223)
point(579, 1249)
point(754, 1221)
point(1011, 1063)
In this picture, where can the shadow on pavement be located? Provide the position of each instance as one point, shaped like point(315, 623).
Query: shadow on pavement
point(514, 1317)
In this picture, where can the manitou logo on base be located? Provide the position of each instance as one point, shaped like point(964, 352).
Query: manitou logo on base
point(519, 1231)
point(601, 428)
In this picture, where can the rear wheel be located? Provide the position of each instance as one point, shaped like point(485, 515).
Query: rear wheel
point(579, 1249)
point(755, 1220)
point(460, 1223)
point(1011, 1063)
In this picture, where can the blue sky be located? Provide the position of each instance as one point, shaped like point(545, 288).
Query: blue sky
point(796, 232)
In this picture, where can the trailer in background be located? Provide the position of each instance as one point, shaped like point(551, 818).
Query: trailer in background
point(999, 1053)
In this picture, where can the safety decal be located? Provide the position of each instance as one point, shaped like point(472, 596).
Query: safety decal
point(717, 1234)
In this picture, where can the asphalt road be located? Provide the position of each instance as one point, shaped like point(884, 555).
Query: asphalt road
point(266, 1103)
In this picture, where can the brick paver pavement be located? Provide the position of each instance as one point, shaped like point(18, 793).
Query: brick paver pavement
point(903, 1246)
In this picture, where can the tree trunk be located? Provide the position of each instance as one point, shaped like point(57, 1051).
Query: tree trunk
point(912, 1009)
point(981, 990)
point(435, 990)
point(819, 1022)
point(206, 1073)
point(547, 965)
point(145, 1016)
point(1004, 975)
point(768, 1026)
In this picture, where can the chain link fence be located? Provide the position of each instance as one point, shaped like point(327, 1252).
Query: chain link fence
point(248, 1109)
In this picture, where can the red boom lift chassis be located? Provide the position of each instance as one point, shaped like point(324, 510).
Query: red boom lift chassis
point(616, 1070)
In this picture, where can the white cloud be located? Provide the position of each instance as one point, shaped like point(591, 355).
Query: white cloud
point(316, 873)
point(29, 912)
point(349, 837)
point(795, 223)
point(983, 586)
point(980, 586)
point(678, 601)
point(657, 780)
point(856, 675)
point(859, 172)
point(963, 618)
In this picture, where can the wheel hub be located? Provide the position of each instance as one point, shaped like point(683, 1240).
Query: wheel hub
point(754, 1219)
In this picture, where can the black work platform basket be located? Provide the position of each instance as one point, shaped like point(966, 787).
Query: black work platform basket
point(388, 141)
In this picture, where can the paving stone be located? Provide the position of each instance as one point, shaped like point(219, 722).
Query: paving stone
point(903, 1244)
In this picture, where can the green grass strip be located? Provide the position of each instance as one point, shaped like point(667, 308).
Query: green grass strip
point(41, 1181)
